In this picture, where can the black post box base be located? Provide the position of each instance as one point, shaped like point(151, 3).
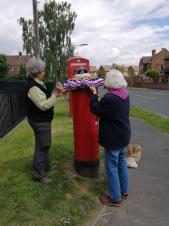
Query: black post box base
point(87, 169)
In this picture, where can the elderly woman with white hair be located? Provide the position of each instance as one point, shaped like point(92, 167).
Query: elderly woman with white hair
point(40, 103)
point(114, 134)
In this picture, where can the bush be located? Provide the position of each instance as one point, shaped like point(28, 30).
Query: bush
point(4, 66)
point(152, 74)
point(20, 76)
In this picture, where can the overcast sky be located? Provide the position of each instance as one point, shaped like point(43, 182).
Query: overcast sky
point(117, 31)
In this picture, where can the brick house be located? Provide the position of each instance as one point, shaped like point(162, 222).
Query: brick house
point(106, 68)
point(133, 70)
point(93, 69)
point(103, 69)
point(15, 61)
point(166, 68)
point(144, 64)
point(154, 62)
point(158, 60)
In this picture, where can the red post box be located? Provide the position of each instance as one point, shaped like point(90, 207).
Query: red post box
point(86, 147)
point(74, 64)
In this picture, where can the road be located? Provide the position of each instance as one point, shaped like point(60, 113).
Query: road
point(156, 101)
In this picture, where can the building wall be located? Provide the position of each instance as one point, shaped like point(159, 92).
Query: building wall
point(158, 62)
point(141, 67)
point(14, 69)
point(167, 63)
point(144, 67)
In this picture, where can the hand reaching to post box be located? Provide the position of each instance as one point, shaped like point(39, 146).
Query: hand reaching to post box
point(59, 89)
point(93, 89)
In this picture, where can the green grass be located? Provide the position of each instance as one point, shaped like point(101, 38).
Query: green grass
point(23, 202)
point(153, 119)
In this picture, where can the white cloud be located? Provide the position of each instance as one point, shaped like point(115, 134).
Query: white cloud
point(115, 30)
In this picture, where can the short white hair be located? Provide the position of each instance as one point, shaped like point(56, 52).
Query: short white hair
point(115, 79)
point(35, 66)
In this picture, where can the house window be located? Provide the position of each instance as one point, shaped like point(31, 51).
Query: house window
point(161, 67)
point(11, 68)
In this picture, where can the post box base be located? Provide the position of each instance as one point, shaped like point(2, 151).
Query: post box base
point(87, 169)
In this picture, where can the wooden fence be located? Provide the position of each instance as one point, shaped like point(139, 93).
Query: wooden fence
point(149, 84)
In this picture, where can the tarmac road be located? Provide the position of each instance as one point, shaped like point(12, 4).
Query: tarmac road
point(156, 101)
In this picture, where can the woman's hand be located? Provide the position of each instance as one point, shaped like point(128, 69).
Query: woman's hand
point(93, 89)
point(59, 89)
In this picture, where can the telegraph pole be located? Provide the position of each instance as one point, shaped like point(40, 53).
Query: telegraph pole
point(35, 25)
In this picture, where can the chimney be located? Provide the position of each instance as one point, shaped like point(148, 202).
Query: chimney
point(153, 52)
point(20, 53)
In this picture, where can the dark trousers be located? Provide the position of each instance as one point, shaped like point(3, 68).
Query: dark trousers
point(41, 159)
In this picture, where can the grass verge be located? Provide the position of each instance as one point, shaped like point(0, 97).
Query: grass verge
point(23, 202)
point(153, 119)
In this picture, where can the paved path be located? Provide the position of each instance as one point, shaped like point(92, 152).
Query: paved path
point(148, 203)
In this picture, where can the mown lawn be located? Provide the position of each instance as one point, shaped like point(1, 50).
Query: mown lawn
point(153, 119)
point(70, 199)
point(67, 201)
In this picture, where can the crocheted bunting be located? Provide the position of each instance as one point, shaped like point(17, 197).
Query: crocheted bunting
point(82, 83)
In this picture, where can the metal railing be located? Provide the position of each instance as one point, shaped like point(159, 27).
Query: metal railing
point(12, 104)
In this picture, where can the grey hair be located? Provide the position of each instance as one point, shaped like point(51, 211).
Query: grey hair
point(115, 79)
point(35, 66)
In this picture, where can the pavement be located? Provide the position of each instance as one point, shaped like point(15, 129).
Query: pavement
point(148, 202)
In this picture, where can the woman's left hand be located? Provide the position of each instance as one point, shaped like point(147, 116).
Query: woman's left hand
point(93, 89)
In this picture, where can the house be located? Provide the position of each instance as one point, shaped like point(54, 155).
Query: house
point(158, 60)
point(145, 64)
point(106, 68)
point(133, 70)
point(93, 69)
point(166, 67)
point(136, 69)
point(154, 62)
point(103, 69)
point(15, 61)
point(126, 72)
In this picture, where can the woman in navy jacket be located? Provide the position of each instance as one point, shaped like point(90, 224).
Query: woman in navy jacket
point(114, 134)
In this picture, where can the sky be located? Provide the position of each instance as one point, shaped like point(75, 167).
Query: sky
point(116, 31)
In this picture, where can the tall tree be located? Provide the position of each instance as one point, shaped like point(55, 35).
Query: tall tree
point(56, 24)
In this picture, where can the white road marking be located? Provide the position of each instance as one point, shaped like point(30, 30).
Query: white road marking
point(162, 93)
point(153, 98)
point(163, 116)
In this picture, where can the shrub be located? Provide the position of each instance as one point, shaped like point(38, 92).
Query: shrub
point(152, 74)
